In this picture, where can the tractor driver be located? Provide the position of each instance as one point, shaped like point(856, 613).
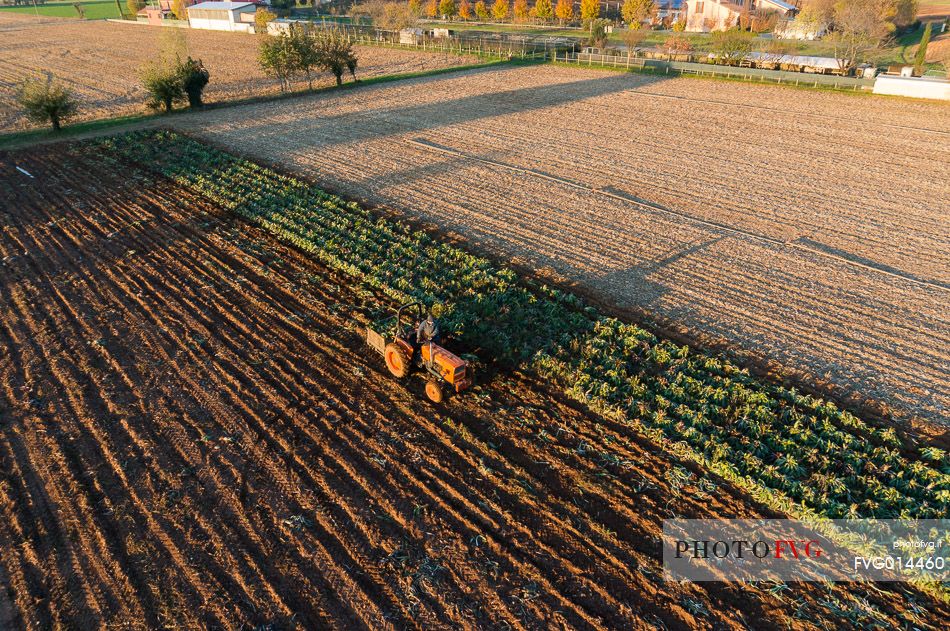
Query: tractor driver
point(428, 331)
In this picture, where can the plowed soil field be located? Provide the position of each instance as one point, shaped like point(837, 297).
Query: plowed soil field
point(809, 228)
point(101, 61)
point(192, 434)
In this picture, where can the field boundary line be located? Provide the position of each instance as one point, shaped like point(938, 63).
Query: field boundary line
point(624, 197)
point(630, 199)
point(874, 268)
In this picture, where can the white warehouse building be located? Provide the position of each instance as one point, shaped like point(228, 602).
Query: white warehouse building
point(223, 16)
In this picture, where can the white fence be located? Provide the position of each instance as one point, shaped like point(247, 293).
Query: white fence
point(425, 40)
point(459, 47)
point(679, 68)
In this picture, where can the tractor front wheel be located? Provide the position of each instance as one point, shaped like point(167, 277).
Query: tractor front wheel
point(434, 391)
point(397, 361)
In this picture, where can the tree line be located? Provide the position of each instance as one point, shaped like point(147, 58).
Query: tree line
point(167, 82)
point(856, 28)
point(393, 16)
point(299, 52)
point(174, 77)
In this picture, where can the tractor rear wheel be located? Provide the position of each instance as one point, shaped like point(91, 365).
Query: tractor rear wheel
point(434, 391)
point(397, 361)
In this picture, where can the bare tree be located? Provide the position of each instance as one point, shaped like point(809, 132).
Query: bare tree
point(817, 13)
point(633, 37)
point(860, 26)
point(774, 50)
point(944, 57)
point(389, 16)
point(758, 20)
point(677, 44)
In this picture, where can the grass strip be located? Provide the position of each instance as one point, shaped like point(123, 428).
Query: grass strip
point(27, 137)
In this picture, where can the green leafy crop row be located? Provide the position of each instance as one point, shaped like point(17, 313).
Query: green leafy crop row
point(795, 452)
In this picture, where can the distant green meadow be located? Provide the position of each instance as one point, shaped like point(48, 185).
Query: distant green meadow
point(98, 10)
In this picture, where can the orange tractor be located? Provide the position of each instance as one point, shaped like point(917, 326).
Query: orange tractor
point(403, 351)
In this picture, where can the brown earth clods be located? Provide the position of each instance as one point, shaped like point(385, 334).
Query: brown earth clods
point(193, 434)
point(102, 61)
point(806, 228)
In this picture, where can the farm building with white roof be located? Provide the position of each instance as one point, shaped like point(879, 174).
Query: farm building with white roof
point(223, 16)
point(799, 63)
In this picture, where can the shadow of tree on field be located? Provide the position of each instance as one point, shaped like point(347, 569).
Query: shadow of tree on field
point(415, 171)
point(634, 287)
point(373, 123)
point(839, 253)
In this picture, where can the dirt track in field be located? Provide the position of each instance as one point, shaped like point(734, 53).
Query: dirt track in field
point(807, 227)
point(192, 434)
point(101, 62)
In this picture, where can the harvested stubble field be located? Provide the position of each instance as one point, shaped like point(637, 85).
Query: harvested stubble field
point(809, 228)
point(193, 434)
point(101, 60)
point(934, 8)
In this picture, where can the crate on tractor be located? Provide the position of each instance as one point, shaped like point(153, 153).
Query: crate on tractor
point(396, 339)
